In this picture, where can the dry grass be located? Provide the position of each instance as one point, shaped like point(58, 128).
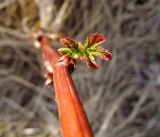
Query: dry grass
point(121, 98)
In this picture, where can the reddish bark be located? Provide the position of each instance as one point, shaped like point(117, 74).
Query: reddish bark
point(49, 54)
point(74, 122)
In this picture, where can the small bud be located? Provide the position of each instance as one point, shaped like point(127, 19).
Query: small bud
point(48, 66)
point(37, 44)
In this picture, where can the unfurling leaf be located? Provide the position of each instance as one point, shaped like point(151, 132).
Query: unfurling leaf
point(68, 42)
point(91, 63)
point(75, 50)
point(95, 39)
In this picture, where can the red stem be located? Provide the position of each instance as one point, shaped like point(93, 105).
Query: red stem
point(73, 119)
point(48, 53)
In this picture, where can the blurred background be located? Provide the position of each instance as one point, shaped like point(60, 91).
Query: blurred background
point(121, 98)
